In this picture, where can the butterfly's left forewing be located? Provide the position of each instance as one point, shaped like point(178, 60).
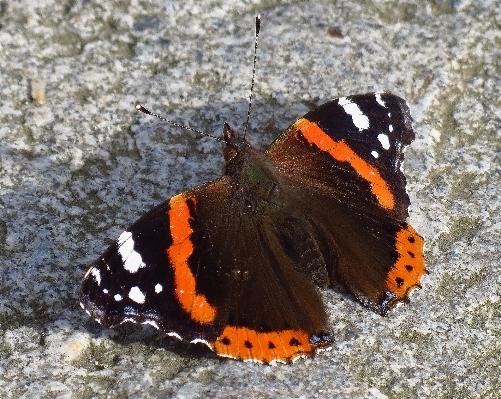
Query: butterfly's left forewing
point(143, 276)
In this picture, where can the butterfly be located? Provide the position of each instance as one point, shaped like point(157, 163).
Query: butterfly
point(237, 263)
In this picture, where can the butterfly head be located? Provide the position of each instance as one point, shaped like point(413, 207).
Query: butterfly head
point(234, 143)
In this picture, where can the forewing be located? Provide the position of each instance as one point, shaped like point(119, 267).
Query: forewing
point(353, 147)
point(145, 275)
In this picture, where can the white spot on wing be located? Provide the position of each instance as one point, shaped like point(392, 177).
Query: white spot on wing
point(105, 290)
point(201, 341)
point(390, 128)
point(152, 323)
point(375, 154)
point(131, 259)
point(360, 120)
point(158, 288)
point(379, 100)
point(97, 275)
point(175, 335)
point(118, 297)
point(383, 139)
point(136, 295)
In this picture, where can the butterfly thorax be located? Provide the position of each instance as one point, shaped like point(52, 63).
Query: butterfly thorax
point(253, 176)
point(236, 151)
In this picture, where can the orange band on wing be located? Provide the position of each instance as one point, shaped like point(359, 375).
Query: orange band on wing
point(340, 151)
point(196, 305)
point(246, 344)
point(409, 267)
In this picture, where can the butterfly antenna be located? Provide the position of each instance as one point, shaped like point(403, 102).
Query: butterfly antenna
point(258, 27)
point(139, 107)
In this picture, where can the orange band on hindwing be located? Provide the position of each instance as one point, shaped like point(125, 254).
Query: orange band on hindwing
point(196, 305)
point(246, 344)
point(409, 267)
point(342, 152)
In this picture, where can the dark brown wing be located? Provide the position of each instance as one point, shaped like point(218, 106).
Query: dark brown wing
point(341, 162)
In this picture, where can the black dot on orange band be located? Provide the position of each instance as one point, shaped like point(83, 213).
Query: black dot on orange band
point(409, 268)
point(300, 137)
point(271, 345)
point(225, 341)
point(411, 254)
point(294, 342)
point(248, 344)
point(411, 240)
point(399, 282)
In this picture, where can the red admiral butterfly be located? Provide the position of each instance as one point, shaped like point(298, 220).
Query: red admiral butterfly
point(235, 263)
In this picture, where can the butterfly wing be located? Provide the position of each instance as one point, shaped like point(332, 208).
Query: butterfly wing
point(342, 162)
point(201, 268)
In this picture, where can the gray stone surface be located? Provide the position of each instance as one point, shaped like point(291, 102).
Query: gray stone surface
point(78, 165)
